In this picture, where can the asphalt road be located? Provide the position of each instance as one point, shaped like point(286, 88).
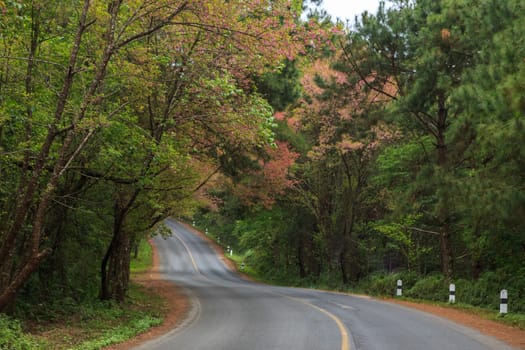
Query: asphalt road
point(229, 313)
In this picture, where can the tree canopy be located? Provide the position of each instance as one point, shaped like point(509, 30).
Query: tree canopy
point(321, 150)
point(408, 131)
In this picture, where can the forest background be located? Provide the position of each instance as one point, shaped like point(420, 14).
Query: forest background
point(347, 155)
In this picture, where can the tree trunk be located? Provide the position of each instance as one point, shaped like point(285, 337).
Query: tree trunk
point(9, 294)
point(300, 261)
point(105, 293)
point(342, 266)
point(446, 255)
point(114, 269)
point(118, 268)
point(136, 245)
point(443, 212)
point(107, 270)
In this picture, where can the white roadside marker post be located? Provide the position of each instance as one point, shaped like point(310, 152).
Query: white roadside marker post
point(503, 307)
point(399, 291)
point(193, 223)
point(206, 231)
point(452, 293)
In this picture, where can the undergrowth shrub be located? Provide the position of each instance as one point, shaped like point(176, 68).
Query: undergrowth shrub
point(431, 287)
point(483, 292)
point(13, 338)
point(515, 284)
point(385, 284)
point(120, 333)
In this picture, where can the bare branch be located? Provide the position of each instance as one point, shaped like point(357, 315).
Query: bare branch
point(77, 151)
point(207, 178)
point(167, 21)
point(422, 230)
point(34, 59)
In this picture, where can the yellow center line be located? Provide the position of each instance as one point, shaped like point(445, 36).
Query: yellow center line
point(345, 339)
point(189, 252)
point(345, 342)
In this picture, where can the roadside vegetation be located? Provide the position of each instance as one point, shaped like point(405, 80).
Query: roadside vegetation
point(90, 324)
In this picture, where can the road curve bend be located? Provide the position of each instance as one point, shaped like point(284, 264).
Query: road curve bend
point(230, 313)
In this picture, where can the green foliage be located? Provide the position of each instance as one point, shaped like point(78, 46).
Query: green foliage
point(398, 164)
point(71, 273)
point(485, 291)
point(385, 284)
point(120, 333)
point(90, 324)
point(261, 234)
point(104, 132)
point(437, 195)
point(144, 258)
point(515, 320)
point(402, 238)
point(12, 336)
point(432, 287)
point(280, 88)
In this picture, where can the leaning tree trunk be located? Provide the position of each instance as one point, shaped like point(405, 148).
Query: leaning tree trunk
point(15, 273)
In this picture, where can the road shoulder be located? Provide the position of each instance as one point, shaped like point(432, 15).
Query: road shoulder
point(513, 336)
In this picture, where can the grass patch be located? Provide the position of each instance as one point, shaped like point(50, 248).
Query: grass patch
point(516, 320)
point(12, 336)
point(144, 259)
point(239, 260)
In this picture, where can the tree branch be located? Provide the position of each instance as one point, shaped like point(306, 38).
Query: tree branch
point(422, 230)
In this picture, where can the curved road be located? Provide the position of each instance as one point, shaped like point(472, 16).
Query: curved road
point(230, 313)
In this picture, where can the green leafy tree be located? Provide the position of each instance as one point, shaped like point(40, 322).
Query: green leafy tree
point(281, 88)
point(415, 54)
point(491, 193)
point(117, 97)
